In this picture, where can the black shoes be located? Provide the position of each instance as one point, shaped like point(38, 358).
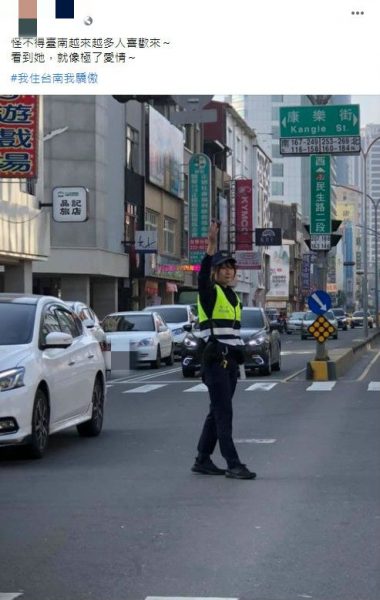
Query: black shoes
point(207, 467)
point(240, 472)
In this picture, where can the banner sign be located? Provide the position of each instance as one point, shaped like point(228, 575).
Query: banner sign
point(305, 274)
point(246, 259)
point(18, 136)
point(70, 204)
point(271, 236)
point(279, 273)
point(320, 210)
point(199, 205)
point(146, 242)
point(243, 214)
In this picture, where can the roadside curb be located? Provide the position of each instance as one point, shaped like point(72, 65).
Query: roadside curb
point(340, 359)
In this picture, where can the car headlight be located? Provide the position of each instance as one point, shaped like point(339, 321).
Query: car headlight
point(257, 341)
point(190, 343)
point(11, 379)
point(146, 342)
point(178, 331)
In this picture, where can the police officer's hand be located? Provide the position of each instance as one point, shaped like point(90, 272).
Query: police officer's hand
point(213, 232)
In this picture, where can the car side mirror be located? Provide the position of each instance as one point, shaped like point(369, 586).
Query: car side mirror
point(58, 339)
point(89, 323)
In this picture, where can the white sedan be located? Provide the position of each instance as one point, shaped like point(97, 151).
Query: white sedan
point(145, 333)
point(52, 373)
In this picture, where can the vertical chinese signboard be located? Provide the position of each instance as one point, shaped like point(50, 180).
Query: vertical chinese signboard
point(243, 214)
point(199, 205)
point(18, 136)
point(320, 209)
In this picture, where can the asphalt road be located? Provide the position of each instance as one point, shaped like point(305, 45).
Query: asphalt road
point(122, 517)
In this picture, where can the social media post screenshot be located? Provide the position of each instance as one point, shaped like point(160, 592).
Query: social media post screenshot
point(189, 300)
point(99, 47)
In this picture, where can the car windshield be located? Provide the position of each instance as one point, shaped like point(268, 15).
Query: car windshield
point(296, 315)
point(128, 323)
point(338, 312)
point(177, 314)
point(310, 316)
point(16, 323)
point(252, 319)
point(358, 313)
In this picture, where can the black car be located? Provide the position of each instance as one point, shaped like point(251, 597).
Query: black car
point(341, 317)
point(262, 345)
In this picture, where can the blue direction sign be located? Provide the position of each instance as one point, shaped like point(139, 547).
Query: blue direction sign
point(319, 302)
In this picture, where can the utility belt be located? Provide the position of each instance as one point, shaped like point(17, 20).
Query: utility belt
point(216, 351)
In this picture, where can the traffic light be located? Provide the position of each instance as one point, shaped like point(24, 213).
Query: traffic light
point(334, 237)
point(161, 99)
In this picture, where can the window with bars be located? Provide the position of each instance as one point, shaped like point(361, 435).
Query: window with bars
point(169, 231)
point(131, 148)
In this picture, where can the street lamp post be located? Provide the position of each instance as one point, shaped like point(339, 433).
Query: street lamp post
point(365, 154)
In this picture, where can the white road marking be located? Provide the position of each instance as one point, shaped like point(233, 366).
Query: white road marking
point(261, 386)
point(374, 386)
point(9, 595)
point(286, 352)
point(201, 387)
point(369, 366)
point(186, 598)
point(143, 389)
point(255, 441)
point(136, 377)
point(321, 386)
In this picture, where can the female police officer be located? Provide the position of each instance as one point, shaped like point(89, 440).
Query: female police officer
point(219, 311)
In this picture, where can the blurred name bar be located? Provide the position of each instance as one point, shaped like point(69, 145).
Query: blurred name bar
point(64, 9)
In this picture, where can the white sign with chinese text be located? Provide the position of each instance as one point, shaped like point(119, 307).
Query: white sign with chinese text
point(146, 241)
point(70, 204)
point(320, 241)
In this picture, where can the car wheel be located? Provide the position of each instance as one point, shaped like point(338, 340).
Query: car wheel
point(157, 363)
point(267, 370)
point(40, 426)
point(93, 427)
point(188, 372)
point(170, 359)
point(277, 365)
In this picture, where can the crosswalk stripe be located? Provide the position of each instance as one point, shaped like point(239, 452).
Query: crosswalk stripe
point(201, 387)
point(9, 595)
point(143, 389)
point(261, 386)
point(374, 386)
point(321, 386)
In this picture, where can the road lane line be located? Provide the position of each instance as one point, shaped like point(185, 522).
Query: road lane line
point(321, 386)
point(260, 386)
point(365, 372)
point(201, 387)
point(143, 389)
point(293, 375)
point(255, 441)
point(144, 377)
point(374, 386)
point(186, 598)
point(9, 595)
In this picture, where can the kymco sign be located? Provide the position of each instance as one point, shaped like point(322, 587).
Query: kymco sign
point(243, 214)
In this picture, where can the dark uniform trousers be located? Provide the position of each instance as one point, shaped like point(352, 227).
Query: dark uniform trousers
point(221, 384)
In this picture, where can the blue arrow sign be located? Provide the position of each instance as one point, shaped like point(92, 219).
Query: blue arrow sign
point(319, 302)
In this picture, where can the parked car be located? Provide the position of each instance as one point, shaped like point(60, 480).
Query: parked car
point(52, 372)
point(175, 316)
point(91, 321)
point(357, 319)
point(341, 317)
point(262, 349)
point(144, 333)
point(309, 318)
point(295, 322)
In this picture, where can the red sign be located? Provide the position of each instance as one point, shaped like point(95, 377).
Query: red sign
point(243, 214)
point(18, 136)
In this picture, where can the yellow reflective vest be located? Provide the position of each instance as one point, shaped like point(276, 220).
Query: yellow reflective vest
point(225, 319)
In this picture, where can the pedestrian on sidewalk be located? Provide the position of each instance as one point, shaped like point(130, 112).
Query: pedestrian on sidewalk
point(219, 311)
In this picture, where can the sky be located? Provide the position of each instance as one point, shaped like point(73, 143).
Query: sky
point(369, 109)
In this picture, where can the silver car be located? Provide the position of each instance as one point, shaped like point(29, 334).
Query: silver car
point(309, 318)
point(295, 321)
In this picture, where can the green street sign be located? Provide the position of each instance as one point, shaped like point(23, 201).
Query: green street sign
point(320, 206)
point(327, 129)
point(319, 121)
point(199, 205)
